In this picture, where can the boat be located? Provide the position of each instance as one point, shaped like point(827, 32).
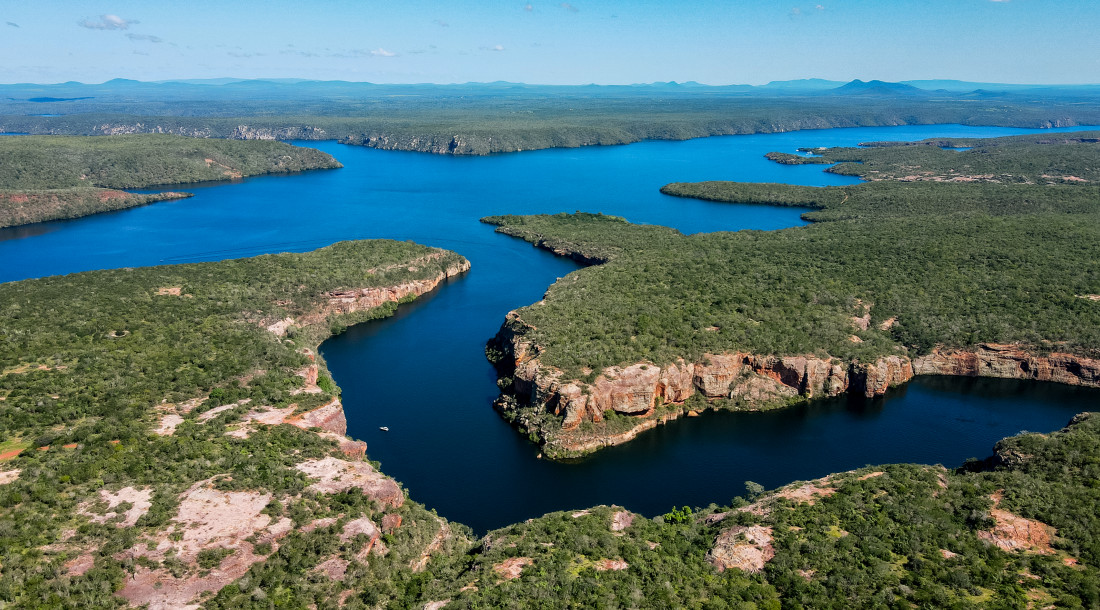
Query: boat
point(384, 428)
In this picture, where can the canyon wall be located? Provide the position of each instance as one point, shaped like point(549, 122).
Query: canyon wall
point(752, 380)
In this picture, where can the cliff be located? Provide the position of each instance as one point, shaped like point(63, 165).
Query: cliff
point(588, 415)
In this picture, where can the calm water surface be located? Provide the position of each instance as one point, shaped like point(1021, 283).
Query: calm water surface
point(423, 374)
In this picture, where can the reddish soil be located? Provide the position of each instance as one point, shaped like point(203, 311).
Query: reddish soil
point(510, 569)
point(1011, 532)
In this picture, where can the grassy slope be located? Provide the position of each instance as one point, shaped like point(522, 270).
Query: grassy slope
point(87, 358)
point(47, 178)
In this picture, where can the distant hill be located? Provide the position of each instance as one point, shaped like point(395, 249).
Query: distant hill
point(876, 87)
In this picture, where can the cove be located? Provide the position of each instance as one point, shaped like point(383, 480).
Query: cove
point(423, 374)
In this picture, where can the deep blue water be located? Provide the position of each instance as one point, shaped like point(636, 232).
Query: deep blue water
point(423, 374)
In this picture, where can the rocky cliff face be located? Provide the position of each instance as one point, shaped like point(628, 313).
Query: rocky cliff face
point(645, 390)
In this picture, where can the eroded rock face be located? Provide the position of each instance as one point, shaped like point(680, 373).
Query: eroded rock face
point(744, 548)
point(334, 475)
point(750, 379)
point(1012, 362)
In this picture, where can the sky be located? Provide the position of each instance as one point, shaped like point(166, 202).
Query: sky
point(548, 42)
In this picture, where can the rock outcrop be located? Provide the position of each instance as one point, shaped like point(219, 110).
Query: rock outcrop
point(749, 380)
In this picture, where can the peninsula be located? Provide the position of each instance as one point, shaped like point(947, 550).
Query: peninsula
point(52, 177)
point(974, 262)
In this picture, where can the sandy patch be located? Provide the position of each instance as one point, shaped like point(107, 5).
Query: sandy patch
point(1011, 532)
point(581, 513)
point(744, 548)
point(169, 291)
point(510, 569)
point(335, 475)
point(212, 413)
point(948, 554)
point(139, 500)
point(871, 475)
point(8, 476)
point(888, 323)
point(1089, 297)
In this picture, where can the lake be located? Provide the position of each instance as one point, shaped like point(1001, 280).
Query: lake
point(423, 374)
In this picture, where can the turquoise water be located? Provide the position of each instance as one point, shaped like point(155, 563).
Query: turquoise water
point(423, 373)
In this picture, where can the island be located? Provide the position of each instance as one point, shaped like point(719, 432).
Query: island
point(59, 177)
point(975, 262)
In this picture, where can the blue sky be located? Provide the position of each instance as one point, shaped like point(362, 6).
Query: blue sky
point(576, 42)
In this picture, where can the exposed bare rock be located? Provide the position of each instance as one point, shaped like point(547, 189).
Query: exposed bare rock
point(621, 520)
point(871, 475)
point(444, 533)
point(1011, 532)
point(9, 476)
point(436, 605)
point(280, 327)
point(610, 565)
point(79, 565)
point(335, 475)
point(139, 500)
point(511, 568)
point(169, 291)
point(807, 493)
point(168, 424)
point(948, 554)
point(390, 522)
point(334, 568)
point(207, 518)
point(744, 548)
point(1011, 361)
point(362, 525)
point(318, 524)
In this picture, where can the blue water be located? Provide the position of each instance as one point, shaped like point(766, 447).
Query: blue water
point(423, 373)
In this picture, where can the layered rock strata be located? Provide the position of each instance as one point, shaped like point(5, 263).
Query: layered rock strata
point(750, 380)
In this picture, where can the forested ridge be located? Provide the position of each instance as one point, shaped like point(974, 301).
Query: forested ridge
point(49, 178)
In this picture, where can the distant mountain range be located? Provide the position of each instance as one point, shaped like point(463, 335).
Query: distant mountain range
point(294, 88)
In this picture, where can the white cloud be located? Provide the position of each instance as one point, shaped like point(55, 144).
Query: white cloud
point(819, 7)
point(146, 37)
point(498, 47)
point(441, 23)
point(108, 22)
point(570, 7)
point(380, 52)
point(527, 7)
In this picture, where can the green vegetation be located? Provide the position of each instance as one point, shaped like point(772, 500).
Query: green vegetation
point(91, 363)
point(49, 178)
point(896, 536)
point(1028, 159)
point(953, 264)
point(89, 359)
point(483, 119)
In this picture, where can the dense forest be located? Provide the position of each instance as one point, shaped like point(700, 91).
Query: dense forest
point(48, 178)
point(101, 505)
point(890, 268)
point(476, 119)
point(117, 391)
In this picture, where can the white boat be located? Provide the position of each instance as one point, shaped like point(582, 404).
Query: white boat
point(383, 428)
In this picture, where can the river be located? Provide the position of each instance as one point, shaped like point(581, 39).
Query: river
point(422, 373)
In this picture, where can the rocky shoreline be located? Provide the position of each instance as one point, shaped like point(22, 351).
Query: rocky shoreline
point(651, 394)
